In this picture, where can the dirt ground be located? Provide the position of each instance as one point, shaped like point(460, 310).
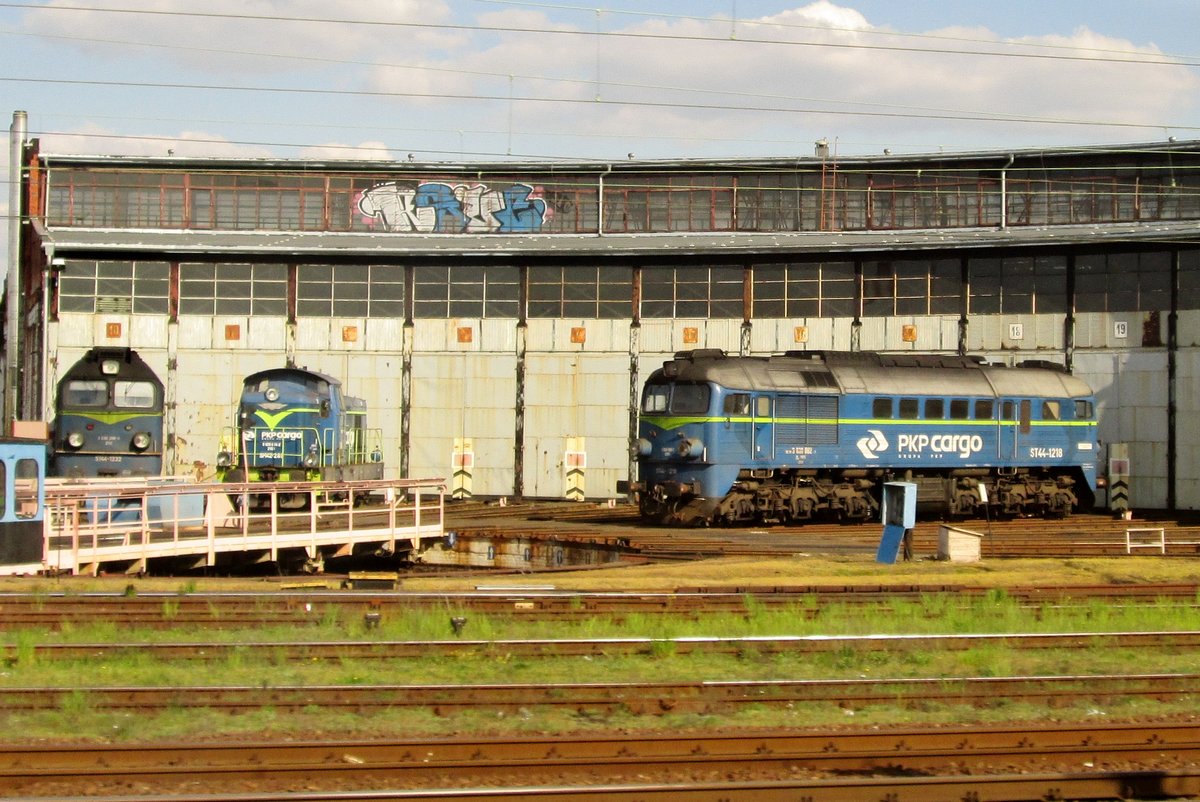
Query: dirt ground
point(721, 572)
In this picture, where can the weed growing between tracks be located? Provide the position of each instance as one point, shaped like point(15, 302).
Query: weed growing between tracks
point(661, 662)
point(81, 724)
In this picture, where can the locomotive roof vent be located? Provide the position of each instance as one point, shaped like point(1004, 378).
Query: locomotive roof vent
point(701, 353)
point(1045, 364)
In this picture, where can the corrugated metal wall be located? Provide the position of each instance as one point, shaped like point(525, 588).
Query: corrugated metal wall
point(467, 381)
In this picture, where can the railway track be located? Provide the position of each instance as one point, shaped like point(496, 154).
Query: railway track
point(636, 698)
point(319, 605)
point(824, 765)
point(1077, 536)
point(1020, 787)
point(208, 651)
point(1154, 761)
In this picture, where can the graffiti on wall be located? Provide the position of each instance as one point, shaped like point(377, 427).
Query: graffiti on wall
point(439, 208)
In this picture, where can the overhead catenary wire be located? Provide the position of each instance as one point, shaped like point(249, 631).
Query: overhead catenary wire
point(1121, 56)
point(744, 23)
point(964, 116)
point(591, 85)
point(774, 103)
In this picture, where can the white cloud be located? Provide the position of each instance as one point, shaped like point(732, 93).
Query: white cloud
point(798, 69)
point(673, 86)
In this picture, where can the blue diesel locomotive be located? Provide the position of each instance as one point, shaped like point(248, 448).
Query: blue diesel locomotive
point(108, 419)
point(785, 438)
point(294, 425)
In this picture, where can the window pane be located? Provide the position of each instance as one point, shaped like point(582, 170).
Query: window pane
point(85, 393)
point(232, 306)
point(134, 395)
point(28, 487)
point(689, 398)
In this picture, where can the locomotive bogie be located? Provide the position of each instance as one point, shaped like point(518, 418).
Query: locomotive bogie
point(789, 438)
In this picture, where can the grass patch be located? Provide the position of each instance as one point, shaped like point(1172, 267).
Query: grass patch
point(663, 660)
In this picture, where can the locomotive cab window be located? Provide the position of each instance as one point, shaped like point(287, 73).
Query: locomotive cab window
point(85, 393)
point(1083, 410)
point(133, 395)
point(1050, 411)
point(762, 406)
point(690, 398)
point(881, 408)
point(656, 398)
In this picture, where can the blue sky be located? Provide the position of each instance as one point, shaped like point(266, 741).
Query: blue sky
point(489, 79)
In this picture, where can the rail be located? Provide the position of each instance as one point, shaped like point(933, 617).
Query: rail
point(124, 524)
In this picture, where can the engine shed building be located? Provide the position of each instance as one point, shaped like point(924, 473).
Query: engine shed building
point(499, 318)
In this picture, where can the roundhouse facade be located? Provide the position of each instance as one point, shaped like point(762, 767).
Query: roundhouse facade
point(500, 318)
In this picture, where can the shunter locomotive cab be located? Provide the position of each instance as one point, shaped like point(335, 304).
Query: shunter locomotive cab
point(295, 425)
point(280, 416)
point(108, 419)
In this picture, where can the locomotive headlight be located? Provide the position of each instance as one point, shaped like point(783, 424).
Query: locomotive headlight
point(272, 394)
point(224, 459)
point(690, 448)
point(311, 460)
point(141, 441)
point(75, 440)
point(642, 448)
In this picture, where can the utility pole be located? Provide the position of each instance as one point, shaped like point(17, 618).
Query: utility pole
point(12, 290)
